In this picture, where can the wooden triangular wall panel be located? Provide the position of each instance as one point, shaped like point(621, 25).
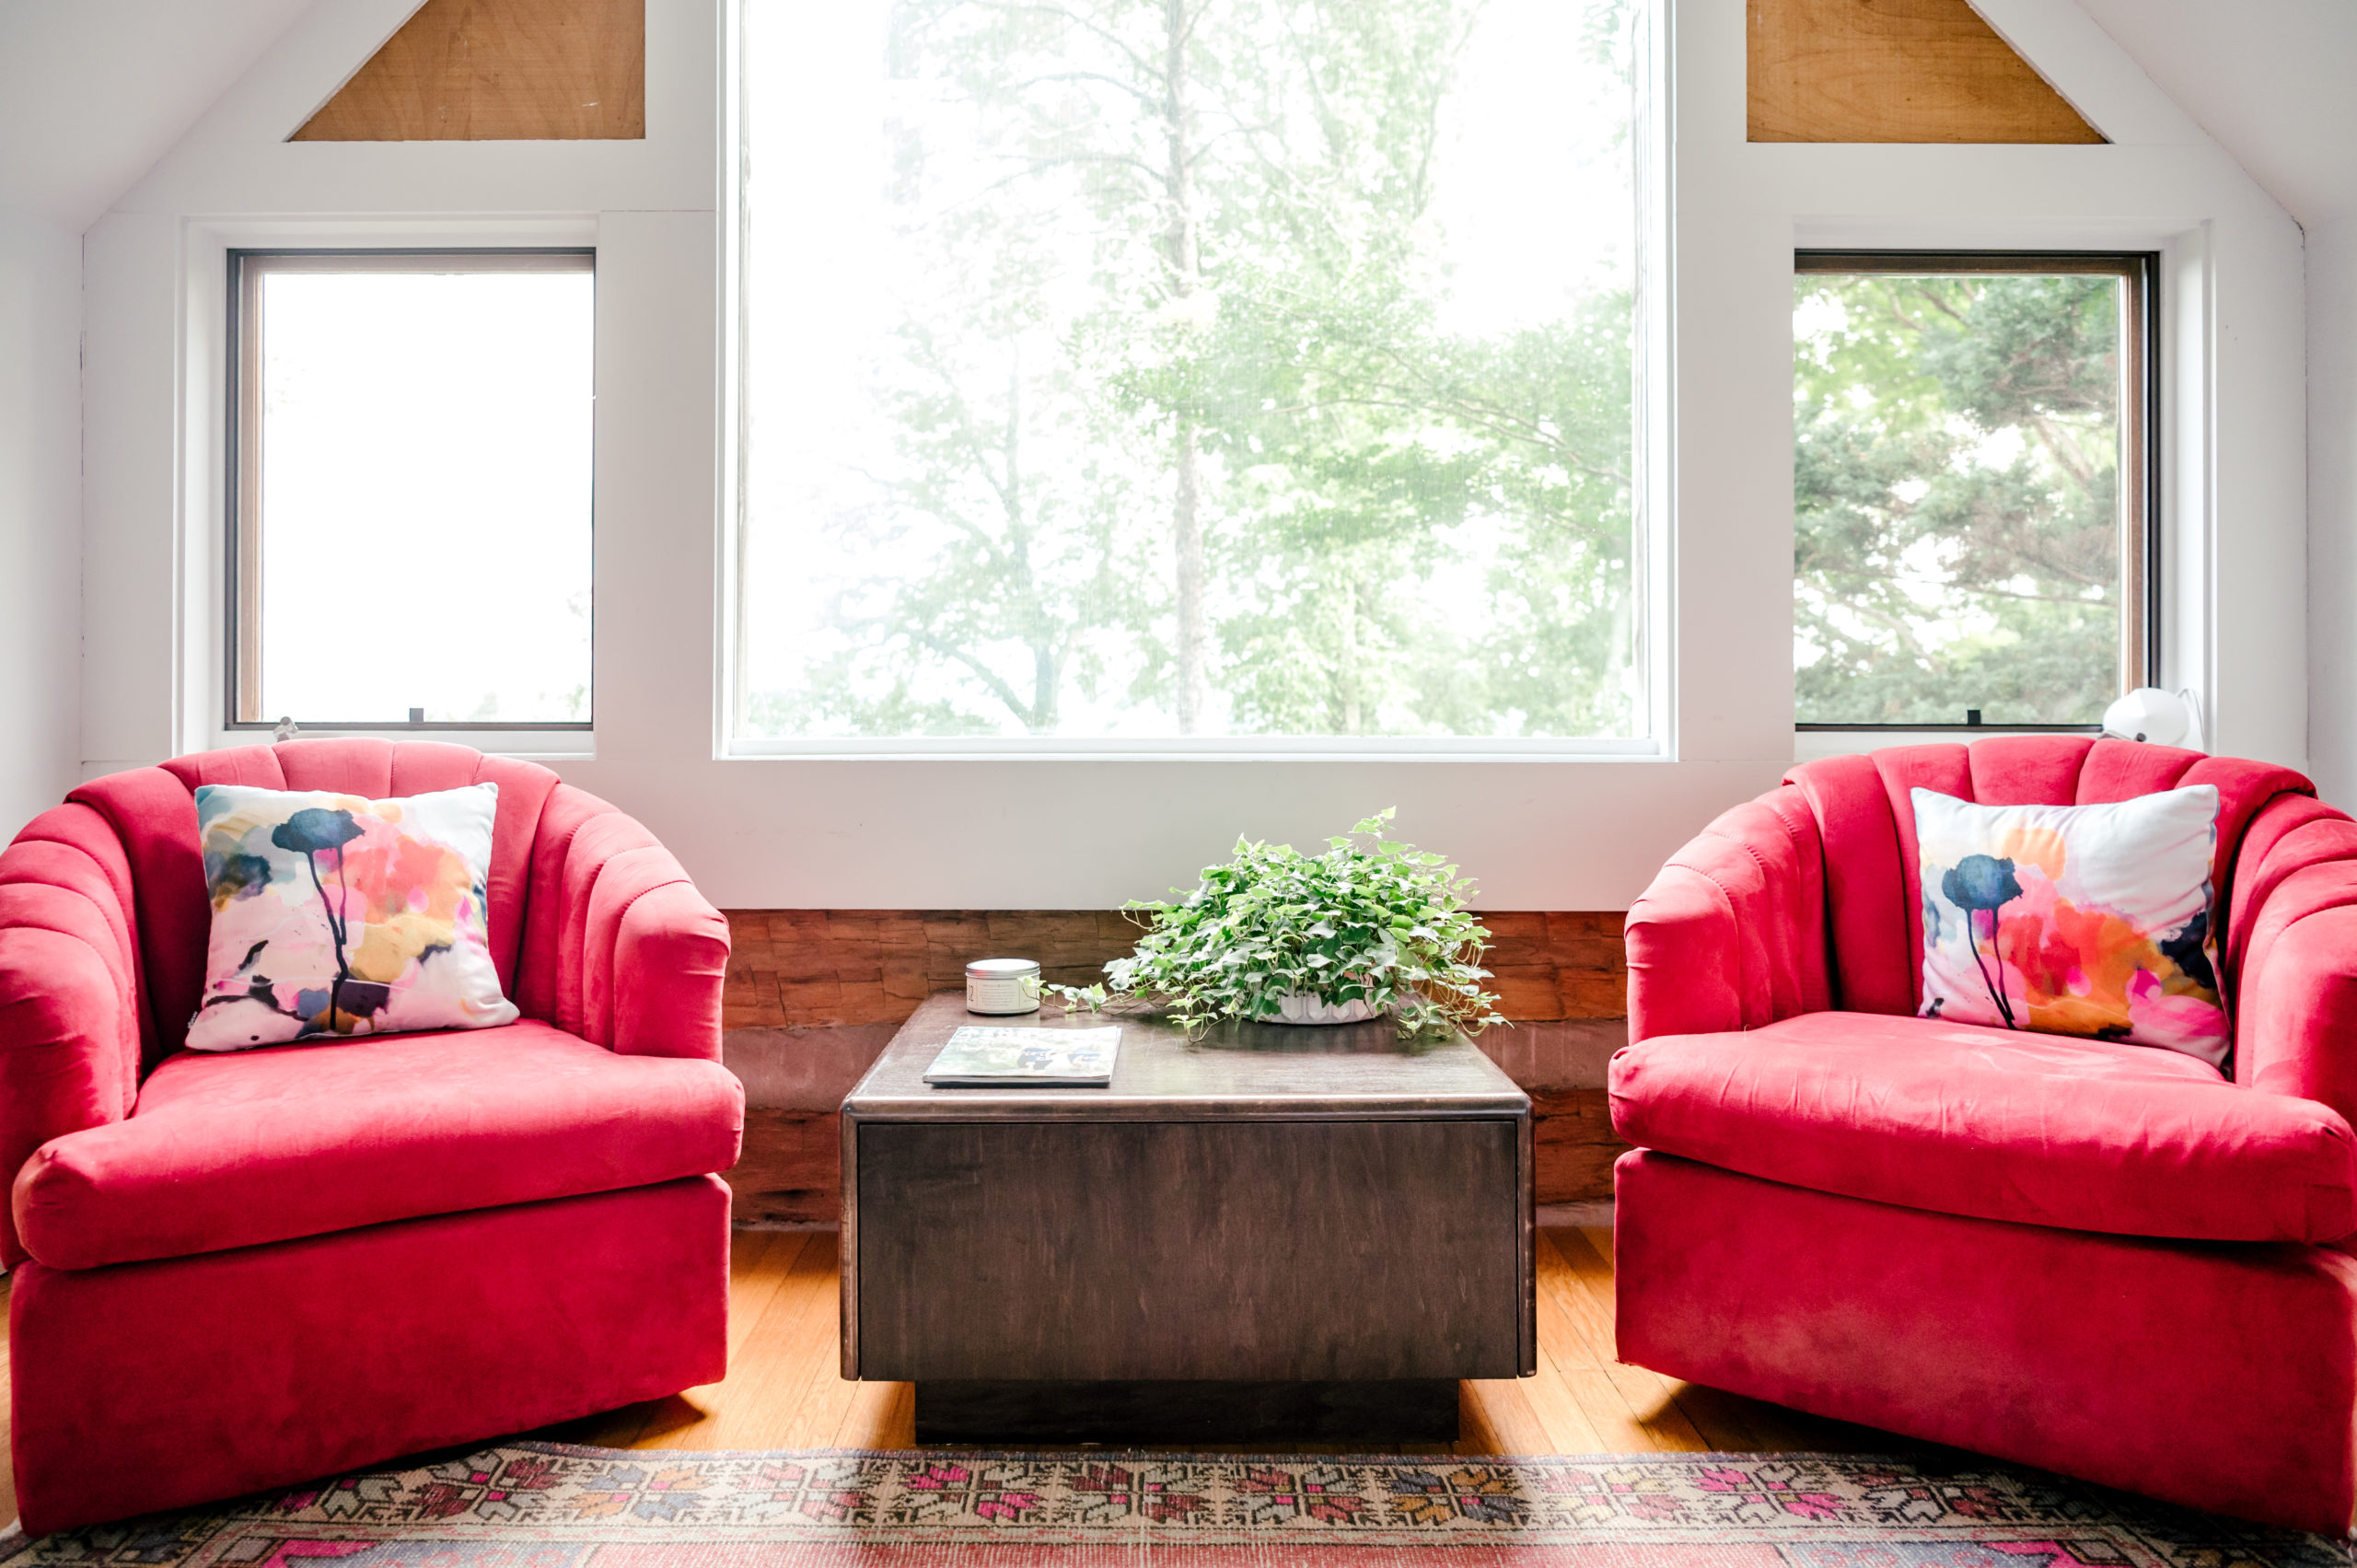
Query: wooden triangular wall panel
point(1895, 71)
point(498, 71)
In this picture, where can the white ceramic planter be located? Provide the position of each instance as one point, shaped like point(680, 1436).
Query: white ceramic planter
point(1300, 1007)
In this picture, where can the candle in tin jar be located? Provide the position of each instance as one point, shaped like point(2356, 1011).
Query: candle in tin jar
point(1003, 985)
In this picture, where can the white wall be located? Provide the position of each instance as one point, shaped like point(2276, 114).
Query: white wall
point(2332, 507)
point(40, 525)
point(935, 833)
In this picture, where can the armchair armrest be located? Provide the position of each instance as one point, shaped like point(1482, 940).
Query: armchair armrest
point(2296, 1021)
point(660, 986)
point(69, 989)
point(620, 946)
point(1731, 935)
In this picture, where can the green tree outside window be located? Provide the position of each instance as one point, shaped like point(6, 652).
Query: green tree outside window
point(1957, 498)
point(1179, 390)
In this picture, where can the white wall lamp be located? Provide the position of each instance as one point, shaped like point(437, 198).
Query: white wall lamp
point(2161, 718)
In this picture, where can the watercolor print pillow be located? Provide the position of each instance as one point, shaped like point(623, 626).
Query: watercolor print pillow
point(2079, 919)
point(333, 915)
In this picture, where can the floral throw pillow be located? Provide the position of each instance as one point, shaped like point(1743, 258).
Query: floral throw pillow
point(2079, 919)
point(333, 915)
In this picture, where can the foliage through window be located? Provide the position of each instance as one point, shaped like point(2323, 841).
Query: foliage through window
point(412, 469)
point(1970, 495)
point(1188, 367)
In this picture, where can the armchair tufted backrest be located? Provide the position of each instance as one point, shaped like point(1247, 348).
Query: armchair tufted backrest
point(152, 812)
point(1866, 820)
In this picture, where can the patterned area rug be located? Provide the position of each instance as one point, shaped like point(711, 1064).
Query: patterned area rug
point(549, 1505)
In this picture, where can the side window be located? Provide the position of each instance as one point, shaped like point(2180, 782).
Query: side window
point(411, 489)
point(1972, 499)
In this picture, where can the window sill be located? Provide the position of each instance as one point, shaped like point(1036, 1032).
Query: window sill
point(1809, 743)
point(551, 743)
point(1221, 748)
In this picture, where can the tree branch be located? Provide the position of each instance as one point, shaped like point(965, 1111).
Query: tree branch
point(1140, 94)
point(988, 676)
point(1090, 24)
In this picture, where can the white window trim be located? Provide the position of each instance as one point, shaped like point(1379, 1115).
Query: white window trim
point(1204, 748)
point(2182, 345)
point(200, 642)
point(1653, 521)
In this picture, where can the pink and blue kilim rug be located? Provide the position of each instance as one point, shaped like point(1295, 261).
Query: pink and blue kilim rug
point(548, 1505)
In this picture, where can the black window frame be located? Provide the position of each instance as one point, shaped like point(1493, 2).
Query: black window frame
point(2140, 272)
point(241, 548)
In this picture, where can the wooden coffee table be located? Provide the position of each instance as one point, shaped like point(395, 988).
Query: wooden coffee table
point(1272, 1233)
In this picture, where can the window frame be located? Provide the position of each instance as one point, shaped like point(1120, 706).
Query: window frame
point(2141, 538)
point(241, 540)
point(1654, 533)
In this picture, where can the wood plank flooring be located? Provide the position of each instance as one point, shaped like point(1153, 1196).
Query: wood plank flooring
point(783, 1391)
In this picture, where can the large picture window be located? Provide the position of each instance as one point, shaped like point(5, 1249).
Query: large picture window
point(1972, 490)
point(411, 488)
point(1131, 369)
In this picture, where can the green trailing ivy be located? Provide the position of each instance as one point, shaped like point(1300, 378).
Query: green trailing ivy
point(1369, 918)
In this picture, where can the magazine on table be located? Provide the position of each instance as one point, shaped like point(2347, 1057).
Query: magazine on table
point(978, 1057)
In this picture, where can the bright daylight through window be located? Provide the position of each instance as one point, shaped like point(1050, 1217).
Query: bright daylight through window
point(413, 454)
point(1154, 369)
point(1971, 494)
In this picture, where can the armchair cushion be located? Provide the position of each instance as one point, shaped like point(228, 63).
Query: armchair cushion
point(2076, 920)
point(225, 1151)
point(151, 812)
point(335, 914)
point(2077, 1134)
point(1865, 813)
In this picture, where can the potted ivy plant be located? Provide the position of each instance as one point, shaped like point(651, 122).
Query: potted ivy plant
point(1371, 928)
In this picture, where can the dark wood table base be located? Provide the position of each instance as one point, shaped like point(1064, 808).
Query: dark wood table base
point(1410, 1409)
point(1260, 1235)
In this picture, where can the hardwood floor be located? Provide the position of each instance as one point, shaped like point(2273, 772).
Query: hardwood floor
point(783, 1391)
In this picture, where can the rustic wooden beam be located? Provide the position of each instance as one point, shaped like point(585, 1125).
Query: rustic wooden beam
point(1895, 71)
point(498, 71)
point(792, 969)
point(812, 993)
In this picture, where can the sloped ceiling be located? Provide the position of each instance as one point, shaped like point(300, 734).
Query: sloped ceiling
point(2273, 81)
point(92, 92)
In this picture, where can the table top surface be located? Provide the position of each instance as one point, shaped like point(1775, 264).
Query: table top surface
point(1267, 1072)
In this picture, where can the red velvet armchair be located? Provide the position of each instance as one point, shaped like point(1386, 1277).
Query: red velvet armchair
point(2102, 1259)
point(236, 1271)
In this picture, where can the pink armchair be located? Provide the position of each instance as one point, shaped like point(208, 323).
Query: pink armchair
point(235, 1271)
point(2106, 1260)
